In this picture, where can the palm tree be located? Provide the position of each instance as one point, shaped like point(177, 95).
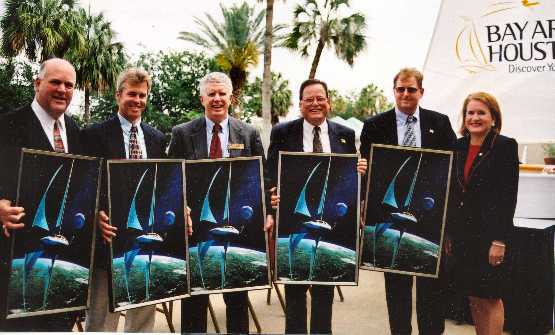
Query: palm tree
point(100, 61)
point(321, 21)
point(281, 97)
point(237, 41)
point(40, 28)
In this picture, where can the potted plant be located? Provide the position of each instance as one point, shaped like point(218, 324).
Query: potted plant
point(549, 151)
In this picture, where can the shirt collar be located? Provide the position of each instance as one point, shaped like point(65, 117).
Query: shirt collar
point(323, 126)
point(126, 125)
point(45, 118)
point(402, 117)
point(210, 124)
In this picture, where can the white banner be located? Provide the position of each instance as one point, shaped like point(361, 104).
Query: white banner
point(506, 48)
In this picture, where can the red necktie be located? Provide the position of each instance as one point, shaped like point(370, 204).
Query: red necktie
point(215, 144)
point(58, 142)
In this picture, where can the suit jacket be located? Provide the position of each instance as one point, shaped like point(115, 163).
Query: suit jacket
point(435, 129)
point(189, 140)
point(105, 140)
point(483, 208)
point(22, 129)
point(289, 137)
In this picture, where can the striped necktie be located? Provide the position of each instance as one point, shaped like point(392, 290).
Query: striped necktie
point(58, 142)
point(410, 136)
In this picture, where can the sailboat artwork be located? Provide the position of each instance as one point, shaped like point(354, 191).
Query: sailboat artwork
point(145, 266)
point(317, 234)
point(227, 249)
point(51, 258)
point(406, 204)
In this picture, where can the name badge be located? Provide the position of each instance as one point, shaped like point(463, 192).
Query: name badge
point(236, 146)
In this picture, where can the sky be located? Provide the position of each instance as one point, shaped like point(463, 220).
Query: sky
point(398, 35)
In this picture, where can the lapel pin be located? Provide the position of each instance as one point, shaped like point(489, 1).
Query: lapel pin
point(342, 141)
point(479, 154)
point(431, 131)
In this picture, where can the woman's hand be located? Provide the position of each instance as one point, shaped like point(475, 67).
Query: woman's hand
point(496, 253)
point(274, 198)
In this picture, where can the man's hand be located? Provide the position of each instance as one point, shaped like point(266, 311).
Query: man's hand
point(108, 231)
point(189, 223)
point(269, 225)
point(274, 198)
point(362, 166)
point(10, 216)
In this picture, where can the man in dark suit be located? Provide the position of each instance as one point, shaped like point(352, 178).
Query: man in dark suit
point(311, 133)
point(41, 125)
point(410, 125)
point(215, 135)
point(121, 136)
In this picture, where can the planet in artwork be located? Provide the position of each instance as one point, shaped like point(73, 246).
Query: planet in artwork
point(244, 268)
point(67, 288)
point(415, 254)
point(246, 212)
point(168, 278)
point(428, 203)
point(334, 263)
point(341, 208)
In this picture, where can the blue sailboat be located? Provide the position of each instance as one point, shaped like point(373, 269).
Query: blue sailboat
point(148, 240)
point(223, 233)
point(52, 243)
point(314, 225)
point(401, 214)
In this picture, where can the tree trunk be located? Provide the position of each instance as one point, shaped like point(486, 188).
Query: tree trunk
point(267, 76)
point(316, 59)
point(87, 114)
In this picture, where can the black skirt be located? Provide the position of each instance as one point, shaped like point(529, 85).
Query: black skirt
point(475, 277)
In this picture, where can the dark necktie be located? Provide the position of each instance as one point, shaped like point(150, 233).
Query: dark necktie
point(134, 148)
point(410, 136)
point(316, 142)
point(215, 144)
point(58, 142)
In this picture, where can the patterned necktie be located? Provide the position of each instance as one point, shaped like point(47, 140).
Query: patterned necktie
point(410, 137)
point(316, 143)
point(215, 144)
point(58, 142)
point(134, 148)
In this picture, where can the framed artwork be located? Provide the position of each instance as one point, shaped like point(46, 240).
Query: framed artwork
point(149, 254)
point(50, 258)
point(317, 219)
point(228, 249)
point(406, 207)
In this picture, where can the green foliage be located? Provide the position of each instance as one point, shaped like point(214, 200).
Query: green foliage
point(549, 149)
point(40, 28)
point(368, 102)
point(16, 84)
point(237, 41)
point(324, 24)
point(281, 97)
point(174, 97)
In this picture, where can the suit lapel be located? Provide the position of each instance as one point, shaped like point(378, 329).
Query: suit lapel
point(149, 139)
point(296, 136)
point(235, 137)
point(37, 137)
point(425, 130)
point(114, 134)
point(334, 141)
point(199, 139)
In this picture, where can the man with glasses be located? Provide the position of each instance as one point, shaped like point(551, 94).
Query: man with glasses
point(410, 125)
point(311, 133)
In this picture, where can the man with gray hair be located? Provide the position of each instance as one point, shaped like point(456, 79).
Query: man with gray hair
point(41, 125)
point(215, 135)
point(121, 136)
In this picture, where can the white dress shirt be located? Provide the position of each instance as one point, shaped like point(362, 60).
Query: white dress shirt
point(126, 129)
point(47, 123)
point(402, 126)
point(223, 135)
point(308, 137)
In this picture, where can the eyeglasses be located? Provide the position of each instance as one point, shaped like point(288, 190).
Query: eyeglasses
point(311, 100)
point(401, 89)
